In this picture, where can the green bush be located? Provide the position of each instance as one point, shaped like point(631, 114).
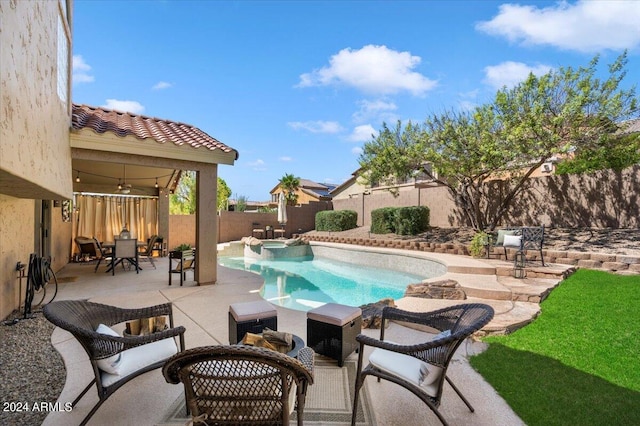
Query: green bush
point(383, 220)
point(478, 243)
point(411, 220)
point(336, 220)
point(400, 220)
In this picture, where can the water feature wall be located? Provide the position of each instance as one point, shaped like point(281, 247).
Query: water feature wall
point(276, 250)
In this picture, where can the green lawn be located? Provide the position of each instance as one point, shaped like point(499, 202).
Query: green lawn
point(578, 363)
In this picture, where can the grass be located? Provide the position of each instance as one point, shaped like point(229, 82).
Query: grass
point(578, 363)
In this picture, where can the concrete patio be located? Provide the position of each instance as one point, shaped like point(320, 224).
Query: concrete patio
point(203, 312)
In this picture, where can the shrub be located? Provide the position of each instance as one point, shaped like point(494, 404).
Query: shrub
point(383, 220)
point(478, 243)
point(336, 220)
point(401, 220)
point(411, 220)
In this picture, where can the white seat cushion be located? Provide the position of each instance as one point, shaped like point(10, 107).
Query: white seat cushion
point(111, 364)
point(139, 357)
point(408, 368)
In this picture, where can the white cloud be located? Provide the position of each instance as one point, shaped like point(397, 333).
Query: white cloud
point(81, 70)
point(356, 150)
point(162, 85)
point(372, 69)
point(133, 107)
point(258, 165)
point(511, 73)
point(316, 126)
point(286, 159)
point(377, 110)
point(362, 133)
point(585, 26)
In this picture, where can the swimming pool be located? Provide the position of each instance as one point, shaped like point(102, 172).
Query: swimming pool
point(303, 283)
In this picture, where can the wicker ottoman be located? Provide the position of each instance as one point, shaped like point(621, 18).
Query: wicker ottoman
point(332, 329)
point(250, 317)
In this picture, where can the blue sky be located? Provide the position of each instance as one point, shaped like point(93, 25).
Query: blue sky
point(299, 86)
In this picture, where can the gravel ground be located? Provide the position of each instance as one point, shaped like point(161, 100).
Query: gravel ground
point(32, 372)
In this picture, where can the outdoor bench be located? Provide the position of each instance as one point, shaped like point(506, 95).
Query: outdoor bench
point(521, 239)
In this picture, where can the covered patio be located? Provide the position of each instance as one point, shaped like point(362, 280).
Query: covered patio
point(149, 400)
point(125, 166)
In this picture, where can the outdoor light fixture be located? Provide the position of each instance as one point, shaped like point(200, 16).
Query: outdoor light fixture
point(156, 182)
point(519, 264)
point(78, 176)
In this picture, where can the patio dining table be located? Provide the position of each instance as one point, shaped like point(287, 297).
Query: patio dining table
point(111, 246)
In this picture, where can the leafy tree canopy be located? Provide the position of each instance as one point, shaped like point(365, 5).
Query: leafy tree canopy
point(183, 200)
point(564, 111)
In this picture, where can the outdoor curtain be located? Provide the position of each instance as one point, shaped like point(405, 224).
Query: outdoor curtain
point(103, 217)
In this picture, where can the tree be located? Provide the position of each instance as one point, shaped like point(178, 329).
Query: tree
point(290, 184)
point(183, 200)
point(499, 145)
point(224, 192)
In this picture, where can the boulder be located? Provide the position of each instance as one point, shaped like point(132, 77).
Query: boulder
point(372, 312)
point(444, 289)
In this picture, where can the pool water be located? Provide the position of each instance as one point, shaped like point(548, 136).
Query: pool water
point(304, 283)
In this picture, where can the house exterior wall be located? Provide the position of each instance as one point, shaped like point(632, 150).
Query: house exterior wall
point(348, 191)
point(35, 158)
point(16, 242)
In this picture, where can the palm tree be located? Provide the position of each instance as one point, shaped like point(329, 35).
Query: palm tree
point(290, 184)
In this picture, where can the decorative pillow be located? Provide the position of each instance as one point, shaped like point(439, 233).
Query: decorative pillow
point(113, 363)
point(501, 234)
point(512, 240)
point(445, 333)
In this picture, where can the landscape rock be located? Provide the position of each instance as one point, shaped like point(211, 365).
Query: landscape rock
point(444, 289)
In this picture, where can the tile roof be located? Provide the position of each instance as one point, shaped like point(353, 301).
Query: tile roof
point(102, 120)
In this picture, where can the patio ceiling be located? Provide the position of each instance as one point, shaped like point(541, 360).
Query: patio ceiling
point(103, 177)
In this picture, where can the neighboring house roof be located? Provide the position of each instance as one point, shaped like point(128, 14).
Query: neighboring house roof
point(319, 190)
point(123, 124)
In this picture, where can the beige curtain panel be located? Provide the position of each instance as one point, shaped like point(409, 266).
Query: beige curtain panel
point(103, 217)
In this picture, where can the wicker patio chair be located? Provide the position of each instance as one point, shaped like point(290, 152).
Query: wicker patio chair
point(236, 384)
point(421, 367)
point(115, 360)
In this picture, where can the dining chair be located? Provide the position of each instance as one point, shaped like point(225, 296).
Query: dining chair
point(125, 250)
point(147, 252)
point(103, 254)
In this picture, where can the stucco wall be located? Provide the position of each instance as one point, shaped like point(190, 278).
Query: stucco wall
point(16, 243)
point(35, 156)
point(235, 225)
point(604, 199)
